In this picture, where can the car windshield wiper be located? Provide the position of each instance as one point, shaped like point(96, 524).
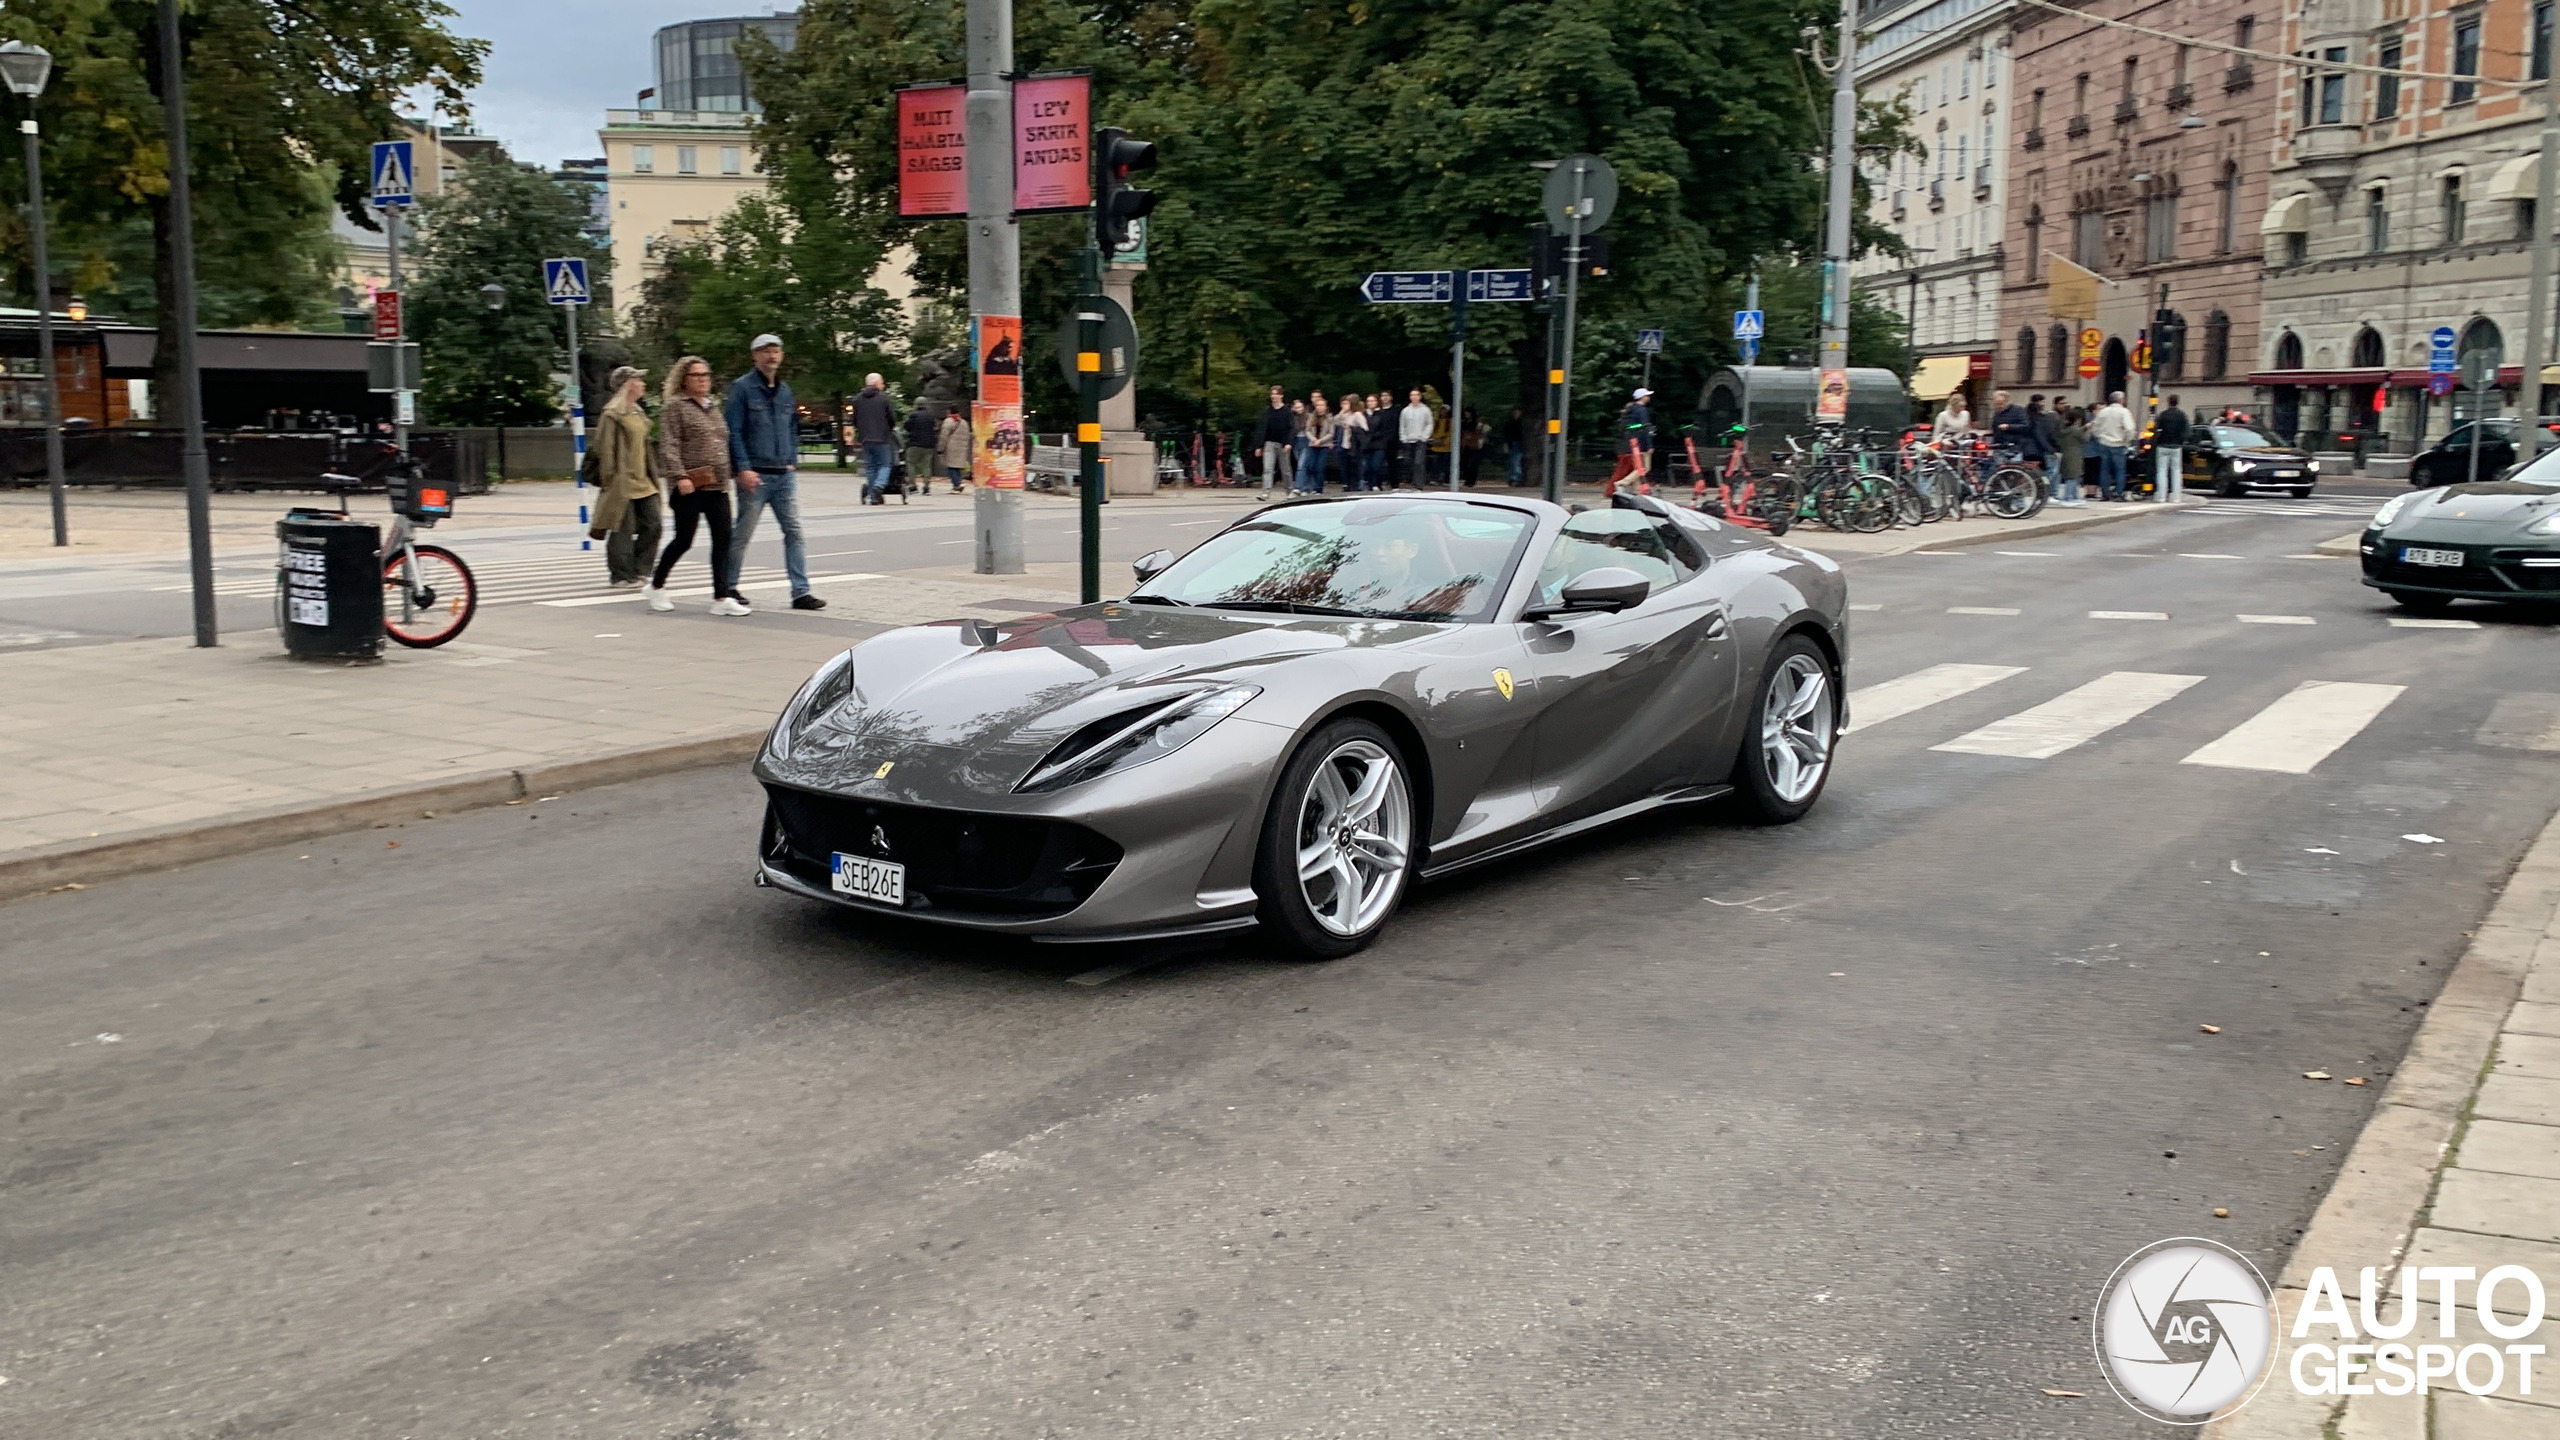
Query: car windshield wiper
point(1292, 607)
point(1158, 600)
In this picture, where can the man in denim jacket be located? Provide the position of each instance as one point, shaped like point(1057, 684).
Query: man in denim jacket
point(764, 450)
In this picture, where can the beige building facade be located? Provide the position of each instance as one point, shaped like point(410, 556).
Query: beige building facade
point(670, 174)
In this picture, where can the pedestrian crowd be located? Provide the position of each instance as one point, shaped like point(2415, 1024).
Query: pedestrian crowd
point(2077, 446)
point(1370, 442)
point(719, 461)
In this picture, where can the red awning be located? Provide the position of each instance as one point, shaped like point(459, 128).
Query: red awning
point(2508, 377)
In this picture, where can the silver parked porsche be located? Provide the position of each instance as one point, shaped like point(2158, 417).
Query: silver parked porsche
point(1322, 704)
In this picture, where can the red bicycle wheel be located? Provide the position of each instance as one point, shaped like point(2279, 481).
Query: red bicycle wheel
point(425, 607)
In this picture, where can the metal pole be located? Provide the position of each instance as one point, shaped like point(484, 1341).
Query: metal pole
point(995, 244)
point(1563, 423)
point(44, 334)
point(1844, 164)
point(1547, 439)
point(1089, 421)
point(577, 424)
point(2537, 331)
point(180, 312)
point(400, 401)
point(1457, 371)
point(1751, 302)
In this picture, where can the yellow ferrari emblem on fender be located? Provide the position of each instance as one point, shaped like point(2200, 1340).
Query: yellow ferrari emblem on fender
point(883, 772)
point(1502, 682)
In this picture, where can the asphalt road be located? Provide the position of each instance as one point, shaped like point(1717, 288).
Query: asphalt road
point(541, 1122)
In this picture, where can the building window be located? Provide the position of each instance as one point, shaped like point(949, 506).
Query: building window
point(2226, 228)
point(2177, 68)
point(2130, 67)
point(2466, 59)
point(1964, 86)
point(2524, 220)
point(2217, 345)
point(2289, 352)
point(2160, 228)
point(2542, 40)
point(2297, 248)
point(2377, 221)
point(2451, 209)
point(2244, 30)
point(644, 159)
point(2035, 115)
point(2367, 354)
point(685, 161)
point(731, 160)
point(2026, 355)
point(2058, 361)
point(2080, 94)
point(2333, 88)
point(2386, 88)
point(2088, 239)
point(2035, 243)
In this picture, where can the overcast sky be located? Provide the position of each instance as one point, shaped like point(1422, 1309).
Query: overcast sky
point(555, 66)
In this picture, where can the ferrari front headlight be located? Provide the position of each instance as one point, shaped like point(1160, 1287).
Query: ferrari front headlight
point(823, 692)
point(1118, 742)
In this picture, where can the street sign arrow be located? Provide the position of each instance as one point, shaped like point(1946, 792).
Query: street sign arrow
point(1406, 287)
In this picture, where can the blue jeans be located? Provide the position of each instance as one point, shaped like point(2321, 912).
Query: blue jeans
point(2111, 472)
point(1518, 455)
point(879, 462)
point(779, 491)
point(1373, 467)
point(1312, 473)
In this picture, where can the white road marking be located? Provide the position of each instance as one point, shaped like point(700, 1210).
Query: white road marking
point(2128, 614)
point(2029, 554)
point(1866, 607)
point(2275, 620)
point(2403, 622)
point(2184, 555)
point(1187, 524)
point(1979, 610)
point(2523, 722)
point(627, 596)
point(2073, 717)
point(2300, 730)
point(1893, 699)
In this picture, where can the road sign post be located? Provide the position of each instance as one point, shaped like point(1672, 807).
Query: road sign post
point(564, 283)
point(1648, 344)
point(394, 190)
point(1579, 195)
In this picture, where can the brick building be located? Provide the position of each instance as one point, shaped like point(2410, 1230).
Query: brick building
point(2397, 206)
point(2145, 160)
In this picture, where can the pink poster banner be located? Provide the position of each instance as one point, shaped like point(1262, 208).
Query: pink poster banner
point(1052, 129)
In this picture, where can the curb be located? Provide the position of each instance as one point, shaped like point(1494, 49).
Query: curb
point(88, 862)
point(2371, 1211)
point(2064, 526)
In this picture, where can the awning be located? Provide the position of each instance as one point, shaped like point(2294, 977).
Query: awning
point(2288, 216)
point(2515, 179)
point(1940, 376)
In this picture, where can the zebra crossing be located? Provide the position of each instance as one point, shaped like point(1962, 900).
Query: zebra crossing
point(2341, 507)
point(557, 580)
point(2290, 735)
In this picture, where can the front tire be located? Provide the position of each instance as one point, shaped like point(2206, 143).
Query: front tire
point(1338, 843)
point(1794, 725)
point(446, 585)
point(2233, 488)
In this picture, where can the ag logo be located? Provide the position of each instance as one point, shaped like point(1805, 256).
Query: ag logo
point(2185, 1330)
point(1502, 682)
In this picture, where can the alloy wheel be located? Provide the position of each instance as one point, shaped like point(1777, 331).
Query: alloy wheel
point(1796, 727)
point(1355, 837)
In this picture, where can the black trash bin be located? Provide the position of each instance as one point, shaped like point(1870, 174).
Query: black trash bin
point(328, 586)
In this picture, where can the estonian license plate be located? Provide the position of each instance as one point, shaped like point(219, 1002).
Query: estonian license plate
point(863, 878)
point(2413, 555)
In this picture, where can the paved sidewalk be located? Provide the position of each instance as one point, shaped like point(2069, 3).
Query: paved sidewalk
point(2459, 1166)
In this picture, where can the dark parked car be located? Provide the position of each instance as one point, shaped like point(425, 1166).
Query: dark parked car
point(2448, 461)
point(2234, 459)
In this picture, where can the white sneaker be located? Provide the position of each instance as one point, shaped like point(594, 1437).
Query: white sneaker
point(726, 606)
point(658, 598)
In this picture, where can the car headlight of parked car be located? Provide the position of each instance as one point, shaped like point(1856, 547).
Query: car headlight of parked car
point(2314, 467)
point(823, 692)
point(1134, 737)
point(2390, 510)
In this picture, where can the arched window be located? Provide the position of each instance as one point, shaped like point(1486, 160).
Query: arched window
point(2289, 351)
point(2482, 334)
point(2217, 345)
point(2026, 355)
point(2368, 349)
point(2057, 365)
point(2226, 231)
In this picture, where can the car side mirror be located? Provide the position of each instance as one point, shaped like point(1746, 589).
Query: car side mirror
point(1609, 589)
point(1152, 564)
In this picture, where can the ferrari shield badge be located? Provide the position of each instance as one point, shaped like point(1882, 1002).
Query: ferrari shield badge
point(1502, 682)
point(883, 772)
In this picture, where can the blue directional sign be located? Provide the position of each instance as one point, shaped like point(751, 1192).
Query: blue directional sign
point(564, 282)
point(1407, 287)
point(2441, 360)
point(1749, 325)
point(1499, 286)
point(394, 179)
point(1648, 342)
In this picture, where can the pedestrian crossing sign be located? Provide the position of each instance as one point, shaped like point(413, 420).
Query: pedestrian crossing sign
point(394, 179)
point(564, 282)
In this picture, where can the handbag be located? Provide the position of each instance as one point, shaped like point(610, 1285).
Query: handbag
point(703, 479)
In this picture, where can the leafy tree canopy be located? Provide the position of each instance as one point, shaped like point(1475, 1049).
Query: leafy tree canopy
point(495, 225)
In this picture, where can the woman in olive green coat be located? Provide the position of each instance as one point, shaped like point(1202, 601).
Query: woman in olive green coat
point(627, 513)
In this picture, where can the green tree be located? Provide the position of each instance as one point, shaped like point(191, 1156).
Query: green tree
point(284, 99)
point(495, 225)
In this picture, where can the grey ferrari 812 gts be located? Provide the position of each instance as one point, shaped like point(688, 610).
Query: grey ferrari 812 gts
point(1322, 704)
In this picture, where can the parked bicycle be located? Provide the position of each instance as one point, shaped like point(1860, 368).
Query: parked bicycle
point(428, 594)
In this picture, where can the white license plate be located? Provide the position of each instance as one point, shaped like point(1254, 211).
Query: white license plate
point(2413, 555)
point(863, 878)
point(2288, 474)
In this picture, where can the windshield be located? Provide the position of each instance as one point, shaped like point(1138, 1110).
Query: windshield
point(2244, 437)
point(1405, 559)
point(2544, 471)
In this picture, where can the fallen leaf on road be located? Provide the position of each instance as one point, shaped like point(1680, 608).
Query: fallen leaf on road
point(2066, 1395)
point(2210, 1029)
point(390, 844)
point(2354, 1080)
point(2315, 1074)
point(2221, 1214)
point(2425, 839)
point(426, 814)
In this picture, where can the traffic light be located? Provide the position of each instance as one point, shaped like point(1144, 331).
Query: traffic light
point(1115, 204)
point(2168, 342)
point(1595, 256)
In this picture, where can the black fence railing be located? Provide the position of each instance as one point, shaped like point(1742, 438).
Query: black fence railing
point(241, 460)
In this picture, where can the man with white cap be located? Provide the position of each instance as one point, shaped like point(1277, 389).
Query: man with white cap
point(1635, 441)
point(764, 450)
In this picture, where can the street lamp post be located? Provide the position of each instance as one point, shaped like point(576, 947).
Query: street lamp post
point(494, 295)
point(26, 68)
point(178, 313)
